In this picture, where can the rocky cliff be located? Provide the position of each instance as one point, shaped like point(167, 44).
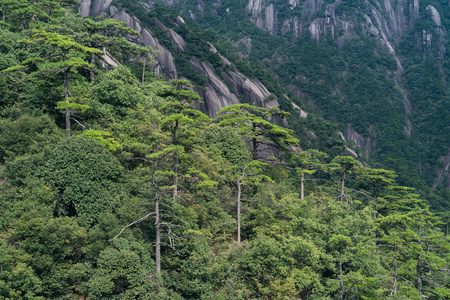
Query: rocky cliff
point(389, 81)
point(216, 94)
point(385, 26)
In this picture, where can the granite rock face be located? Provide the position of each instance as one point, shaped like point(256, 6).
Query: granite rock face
point(444, 171)
point(215, 94)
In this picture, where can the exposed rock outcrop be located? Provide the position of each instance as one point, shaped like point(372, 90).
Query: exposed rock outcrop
point(440, 32)
point(85, 7)
point(100, 8)
point(253, 91)
point(367, 145)
point(177, 40)
point(216, 93)
point(348, 151)
point(264, 17)
point(444, 171)
point(165, 64)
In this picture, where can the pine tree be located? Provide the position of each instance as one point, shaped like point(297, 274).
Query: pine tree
point(253, 124)
point(344, 165)
point(69, 57)
point(310, 161)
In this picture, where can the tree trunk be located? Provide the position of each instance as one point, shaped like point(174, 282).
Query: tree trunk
point(419, 266)
point(239, 206)
point(419, 276)
point(342, 187)
point(91, 71)
point(394, 287)
point(66, 96)
point(4, 12)
point(158, 229)
point(175, 163)
point(143, 73)
point(302, 186)
point(341, 280)
point(175, 177)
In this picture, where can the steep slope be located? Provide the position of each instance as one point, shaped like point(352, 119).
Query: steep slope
point(377, 68)
point(212, 88)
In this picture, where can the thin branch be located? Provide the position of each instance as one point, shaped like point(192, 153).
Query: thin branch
point(326, 187)
point(427, 290)
point(82, 126)
point(169, 225)
point(135, 222)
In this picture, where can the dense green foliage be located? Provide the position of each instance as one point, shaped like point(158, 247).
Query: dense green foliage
point(347, 81)
point(140, 201)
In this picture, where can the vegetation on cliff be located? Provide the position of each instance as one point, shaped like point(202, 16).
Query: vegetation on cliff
point(143, 197)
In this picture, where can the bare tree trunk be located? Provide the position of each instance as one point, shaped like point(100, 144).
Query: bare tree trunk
point(66, 96)
point(341, 280)
point(394, 287)
point(175, 164)
point(239, 206)
point(143, 73)
point(103, 61)
point(302, 186)
point(175, 177)
point(4, 13)
point(158, 229)
point(419, 276)
point(92, 76)
point(419, 265)
point(342, 187)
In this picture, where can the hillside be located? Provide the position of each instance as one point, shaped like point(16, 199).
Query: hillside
point(376, 70)
point(121, 179)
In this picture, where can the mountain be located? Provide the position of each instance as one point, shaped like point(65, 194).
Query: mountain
point(376, 69)
point(215, 91)
point(113, 186)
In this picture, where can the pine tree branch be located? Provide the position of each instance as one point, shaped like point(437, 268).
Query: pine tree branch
point(135, 222)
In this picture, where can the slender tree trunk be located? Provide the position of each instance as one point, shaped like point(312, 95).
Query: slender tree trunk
point(419, 276)
point(143, 73)
point(239, 206)
point(66, 96)
point(91, 71)
point(103, 61)
point(419, 265)
point(175, 163)
point(4, 14)
point(341, 280)
point(342, 187)
point(394, 287)
point(175, 177)
point(158, 229)
point(302, 186)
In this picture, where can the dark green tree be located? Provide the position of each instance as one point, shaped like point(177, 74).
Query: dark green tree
point(344, 165)
point(108, 36)
point(181, 121)
point(253, 124)
point(310, 161)
point(86, 177)
point(145, 142)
